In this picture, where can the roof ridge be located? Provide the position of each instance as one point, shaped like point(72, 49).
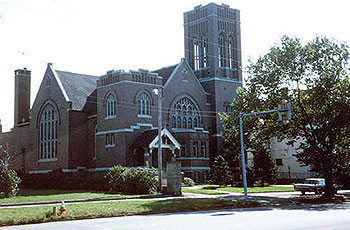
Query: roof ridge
point(76, 73)
point(166, 67)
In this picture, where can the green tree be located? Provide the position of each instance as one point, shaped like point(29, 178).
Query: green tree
point(256, 137)
point(314, 78)
point(264, 166)
point(9, 180)
point(220, 172)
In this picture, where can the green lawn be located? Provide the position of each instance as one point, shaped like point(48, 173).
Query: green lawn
point(203, 191)
point(250, 190)
point(33, 195)
point(26, 215)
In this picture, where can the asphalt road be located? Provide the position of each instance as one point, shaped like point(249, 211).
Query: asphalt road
point(311, 217)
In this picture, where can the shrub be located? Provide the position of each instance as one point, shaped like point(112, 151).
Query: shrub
point(116, 179)
point(9, 182)
point(131, 180)
point(188, 182)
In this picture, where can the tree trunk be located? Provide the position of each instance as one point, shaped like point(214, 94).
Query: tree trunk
point(329, 190)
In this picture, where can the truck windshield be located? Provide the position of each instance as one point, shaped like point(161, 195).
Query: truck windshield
point(311, 182)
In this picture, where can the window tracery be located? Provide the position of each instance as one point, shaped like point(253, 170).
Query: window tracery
point(145, 104)
point(48, 133)
point(184, 114)
point(111, 106)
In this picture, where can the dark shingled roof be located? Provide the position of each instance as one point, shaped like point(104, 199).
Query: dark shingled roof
point(165, 72)
point(78, 87)
point(145, 138)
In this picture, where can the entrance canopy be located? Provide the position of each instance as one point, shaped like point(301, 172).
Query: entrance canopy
point(168, 141)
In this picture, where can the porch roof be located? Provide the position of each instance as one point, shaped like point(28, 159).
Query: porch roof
point(149, 139)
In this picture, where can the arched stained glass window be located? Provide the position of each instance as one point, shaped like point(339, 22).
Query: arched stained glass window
point(111, 106)
point(48, 133)
point(145, 104)
point(184, 114)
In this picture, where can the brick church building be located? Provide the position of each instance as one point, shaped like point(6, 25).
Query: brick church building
point(80, 121)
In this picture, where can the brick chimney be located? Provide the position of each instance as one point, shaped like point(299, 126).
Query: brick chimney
point(22, 96)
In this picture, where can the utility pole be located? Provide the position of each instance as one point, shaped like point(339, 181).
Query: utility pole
point(284, 112)
point(158, 92)
point(243, 157)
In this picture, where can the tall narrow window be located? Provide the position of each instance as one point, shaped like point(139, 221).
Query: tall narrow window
point(195, 149)
point(228, 108)
point(183, 151)
point(110, 141)
point(184, 114)
point(221, 51)
point(205, 52)
point(145, 104)
point(111, 106)
point(203, 149)
point(196, 54)
point(230, 53)
point(48, 133)
point(95, 142)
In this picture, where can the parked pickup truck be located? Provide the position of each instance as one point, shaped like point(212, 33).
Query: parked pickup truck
point(315, 185)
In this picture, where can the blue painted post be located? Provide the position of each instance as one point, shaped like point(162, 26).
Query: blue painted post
point(160, 139)
point(279, 110)
point(158, 92)
point(243, 158)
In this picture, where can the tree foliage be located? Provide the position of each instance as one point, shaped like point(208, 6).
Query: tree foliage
point(314, 79)
point(256, 137)
point(220, 172)
point(9, 180)
point(264, 166)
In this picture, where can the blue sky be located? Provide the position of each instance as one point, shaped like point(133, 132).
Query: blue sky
point(93, 36)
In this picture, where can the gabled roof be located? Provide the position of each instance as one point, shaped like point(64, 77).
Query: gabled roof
point(170, 72)
point(165, 72)
point(149, 138)
point(165, 132)
point(77, 86)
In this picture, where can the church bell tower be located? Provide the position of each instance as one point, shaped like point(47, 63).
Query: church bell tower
point(212, 38)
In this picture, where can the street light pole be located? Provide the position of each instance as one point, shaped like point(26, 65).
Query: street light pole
point(158, 92)
point(284, 108)
point(243, 158)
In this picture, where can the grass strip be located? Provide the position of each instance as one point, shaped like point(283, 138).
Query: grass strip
point(29, 215)
point(202, 191)
point(250, 190)
point(34, 195)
